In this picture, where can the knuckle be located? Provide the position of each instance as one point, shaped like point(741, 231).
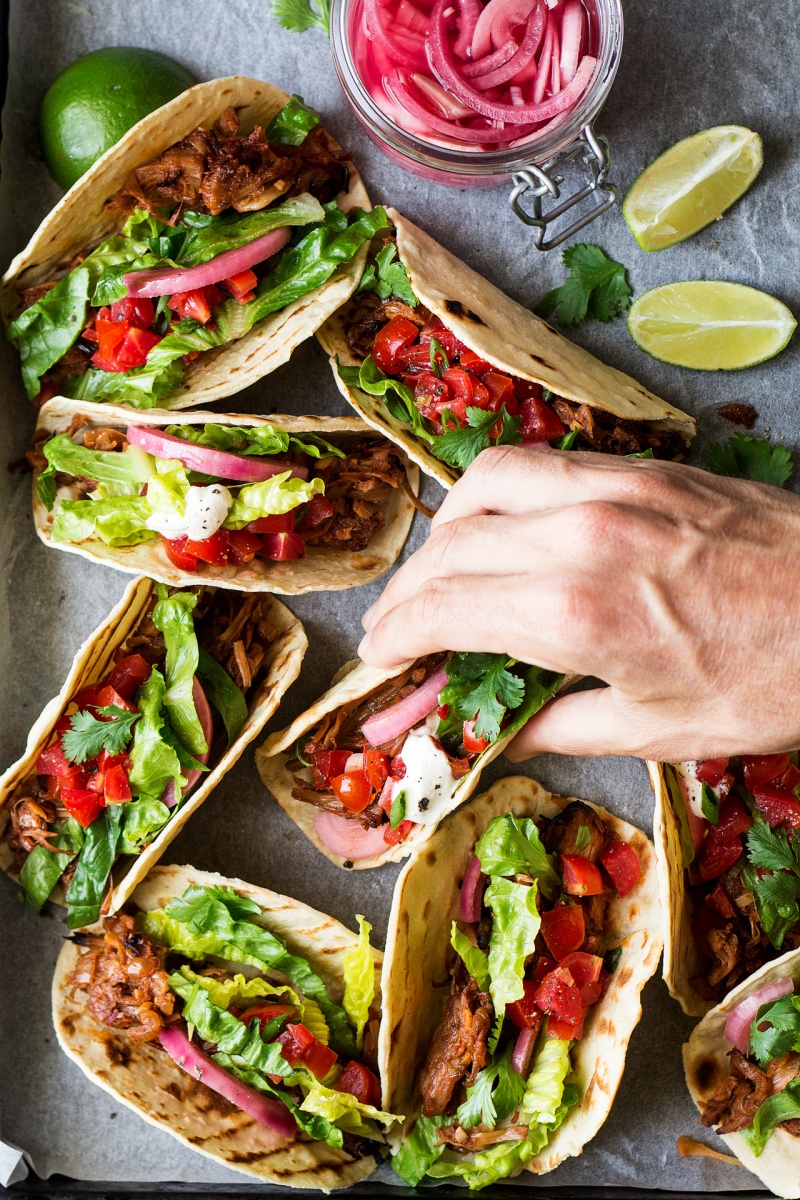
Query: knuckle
point(442, 546)
point(431, 604)
point(579, 612)
point(596, 525)
point(491, 461)
point(650, 484)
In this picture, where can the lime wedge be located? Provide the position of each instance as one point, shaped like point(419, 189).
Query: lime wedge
point(691, 184)
point(710, 325)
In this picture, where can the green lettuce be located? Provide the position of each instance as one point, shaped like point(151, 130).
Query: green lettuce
point(317, 1128)
point(43, 868)
point(154, 762)
point(515, 927)
point(142, 820)
point(350, 1114)
point(783, 1106)
point(222, 692)
point(172, 616)
point(359, 980)
point(117, 521)
point(545, 1087)
point(244, 1042)
point(280, 494)
point(96, 858)
point(472, 956)
point(240, 991)
point(291, 125)
point(124, 471)
point(420, 1150)
point(201, 245)
point(511, 845)
point(145, 387)
point(258, 440)
point(398, 396)
point(494, 1095)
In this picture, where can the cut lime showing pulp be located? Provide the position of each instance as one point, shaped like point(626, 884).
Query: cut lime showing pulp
point(691, 184)
point(710, 325)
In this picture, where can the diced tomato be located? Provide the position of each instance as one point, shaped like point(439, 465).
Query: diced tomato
point(564, 1030)
point(196, 304)
point(106, 761)
point(242, 286)
point(719, 854)
point(110, 335)
point(264, 1013)
point(326, 764)
point(559, 996)
point(563, 929)
point(389, 341)
point(176, 553)
point(432, 396)
point(580, 877)
point(393, 836)
point(464, 389)
point(46, 392)
point(711, 770)
point(539, 422)
point(586, 971)
point(318, 509)
point(137, 311)
point(76, 776)
point(723, 788)
point(244, 546)
point(277, 523)
point(778, 806)
point(544, 966)
point(397, 768)
point(295, 1040)
point(86, 697)
point(214, 549)
point(473, 744)
point(121, 347)
point(621, 865)
point(117, 788)
point(352, 790)
point(319, 1059)
point(416, 358)
point(129, 674)
point(501, 392)
point(719, 902)
point(53, 761)
point(471, 361)
point(108, 696)
point(733, 819)
point(763, 768)
point(443, 712)
point(523, 1012)
point(790, 779)
point(84, 805)
point(283, 547)
point(96, 782)
point(360, 1082)
point(376, 768)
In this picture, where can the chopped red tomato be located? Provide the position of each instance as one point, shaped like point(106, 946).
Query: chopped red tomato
point(523, 1012)
point(539, 422)
point(242, 286)
point(564, 1030)
point(559, 996)
point(196, 304)
point(544, 966)
point(393, 836)
point(264, 1013)
point(473, 744)
point(719, 902)
point(318, 509)
point(319, 1059)
point(432, 397)
point(580, 877)
point(352, 790)
point(46, 392)
point(711, 770)
point(121, 347)
point(471, 361)
point(733, 819)
point(244, 546)
point(212, 549)
point(376, 768)
point(563, 929)
point(137, 311)
point(283, 547)
point(719, 854)
point(390, 341)
point(129, 674)
point(108, 696)
point(326, 764)
point(295, 1040)
point(277, 523)
point(790, 779)
point(501, 392)
point(52, 761)
point(763, 768)
point(178, 555)
point(110, 335)
point(84, 805)
point(116, 787)
point(360, 1082)
point(397, 768)
point(587, 973)
point(778, 806)
point(621, 865)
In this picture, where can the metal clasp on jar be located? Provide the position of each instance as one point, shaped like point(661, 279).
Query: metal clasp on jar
point(538, 182)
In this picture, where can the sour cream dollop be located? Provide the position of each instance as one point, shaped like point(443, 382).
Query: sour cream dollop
point(205, 510)
point(428, 784)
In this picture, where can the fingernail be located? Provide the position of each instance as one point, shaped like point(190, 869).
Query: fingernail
point(366, 617)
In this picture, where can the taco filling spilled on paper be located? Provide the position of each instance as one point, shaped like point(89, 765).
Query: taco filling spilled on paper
point(740, 849)
point(530, 959)
point(130, 748)
point(218, 494)
point(206, 980)
point(454, 401)
point(216, 233)
point(394, 758)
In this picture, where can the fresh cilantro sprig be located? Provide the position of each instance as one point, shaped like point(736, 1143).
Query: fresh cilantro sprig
point(459, 447)
point(387, 276)
point(298, 15)
point(595, 287)
point(775, 888)
point(776, 1029)
point(88, 735)
point(743, 457)
point(496, 1093)
point(481, 687)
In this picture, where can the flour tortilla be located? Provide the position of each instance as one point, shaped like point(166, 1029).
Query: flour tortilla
point(145, 1079)
point(354, 681)
point(425, 904)
point(706, 1063)
point(324, 568)
point(93, 661)
point(80, 221)
point(503, 333)
point(682, 959)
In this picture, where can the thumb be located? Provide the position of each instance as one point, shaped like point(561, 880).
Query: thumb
point(583, 723)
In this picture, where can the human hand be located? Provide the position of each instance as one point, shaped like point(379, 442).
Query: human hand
point(679, 589)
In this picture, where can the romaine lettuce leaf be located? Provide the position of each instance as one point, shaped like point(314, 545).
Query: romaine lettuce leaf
point(124, 471)
point(511, 845)
point(341, 1108)
point(96, 858)
point(144, 387)
point(154, 761)
point(43, 868)
point(280, 494)
point(222, 692)
point(514, 929)
point(142, 820)
point(545, 1087)
point(398, 396)
point(117, 521)
point(239, 990)
point(202, 245)
point(420, 1150)
point(172, 616)
point(473, 957)
point(316, 1127)
point(45, 330)
point(494, 1095)
point(359, 980)
point(291, 125)
point(258, 440)
point(244, 1042)
point(782, 1106)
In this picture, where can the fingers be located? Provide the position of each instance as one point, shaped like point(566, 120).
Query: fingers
point(592, 723)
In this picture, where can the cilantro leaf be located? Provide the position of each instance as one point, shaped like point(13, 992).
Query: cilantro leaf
point(459, 447)
point(595, 287)
point(398, 811)
point(775, 894)
point(496, 1093)
point(387, 277)
point(481, 687)
point(298, 15)
point(776, 1029)
point(709, 804)
point(87, 735)
point(743, 457)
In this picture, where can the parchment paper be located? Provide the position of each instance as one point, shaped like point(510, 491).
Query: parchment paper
point(685, 66)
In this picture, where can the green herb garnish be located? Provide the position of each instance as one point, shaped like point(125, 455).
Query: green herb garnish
point(595, 287)
point(743, 457)
point(88, 735)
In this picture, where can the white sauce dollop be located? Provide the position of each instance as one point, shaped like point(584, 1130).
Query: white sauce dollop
point(205, 510)
point(428, 784)
point(691, 787)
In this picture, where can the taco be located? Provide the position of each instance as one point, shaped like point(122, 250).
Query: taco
point(285, 504)
point(720, 830)
point(743, 1072)
point(242, 1022)
point(371, 768)
point(159, 704)
point(194, 255)
point(444, 363)
point(541, 913)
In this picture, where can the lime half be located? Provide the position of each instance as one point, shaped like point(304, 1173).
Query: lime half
point(692, 184)
point(710, 325)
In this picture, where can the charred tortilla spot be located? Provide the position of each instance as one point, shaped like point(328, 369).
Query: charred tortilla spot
point(173, 1089)
point(68, 1023)
point(541, 361)
point(623, 976)
point(254, 1156)
point(457, 309)
point(705, 1074)
point(430, 858)
point(118, 1054)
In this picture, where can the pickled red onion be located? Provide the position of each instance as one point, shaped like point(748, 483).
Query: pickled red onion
point(527, 48)
point(571, 32)
point(740, 1019)
point(164, 281)
point(495, 23)
point(400, 92)
point(523, 1049)
point(470, 14)
point(447, 105)
point(345, 837)
point(221, 463)
point(406, 713)
point(469, 901)
point(206, 719)
point(498, 58)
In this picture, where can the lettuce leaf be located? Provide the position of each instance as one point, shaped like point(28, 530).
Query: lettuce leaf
point(420, 1150)
point(258, 440)
point(494, 1095)
point(96, 858)
point(43, 868)
point(511, 845)
point(142, 820)
point(782, 1106)
point(223, 693)
point(316, 1127)
point(397, 396)
point(144, 387)
point(545, 1087)
point(280, 494)
point(342, 1108)
point(359, 980)
point(117, 521)
point(473, 957)
point(154, 761)
point(172, 616)
point(514, 929)
point(291, 125)
point(124, 471)
point(201, 245)
point(225, 1031)
point(239, 990)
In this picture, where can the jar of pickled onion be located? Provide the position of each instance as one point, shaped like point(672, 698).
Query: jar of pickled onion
point(480, 92)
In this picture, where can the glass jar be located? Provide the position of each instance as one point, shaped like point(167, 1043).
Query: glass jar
point(535, 166)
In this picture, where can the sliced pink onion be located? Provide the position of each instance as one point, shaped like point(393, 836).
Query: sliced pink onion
point(523, 1049)
point(571, 33)
point(527, 48)
point(407, 102)
point(447, 104)
point(268, 1112)
point(210, 462)
point(555, 64)
point(399, 48)
point(472, 886)
point(545, 59)
point(389, 724)
point(489, 62)
point(164, 281)
point(410, 17)
point(470, 15)
point(206, 719)
point(347, 838)
point(737, 1026)
point(496, 22)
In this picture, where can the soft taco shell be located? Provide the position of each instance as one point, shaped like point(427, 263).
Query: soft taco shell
point(94, 660)
point(682, 959)
point(145, 1079)
point(426, 902)
point(323, 568)
point(353, 681)
point(80, 221)
point(503, 333)
point(707, 1065)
